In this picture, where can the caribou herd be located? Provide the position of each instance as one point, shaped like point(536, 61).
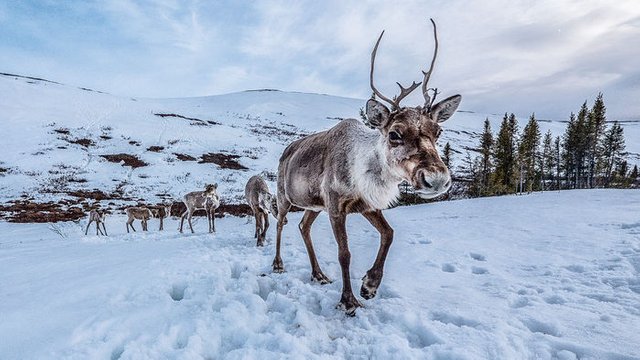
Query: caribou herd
point(349, 168)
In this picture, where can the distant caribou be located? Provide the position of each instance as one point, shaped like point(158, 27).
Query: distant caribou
point(138, 213)
point(198, 200)
point(161, 211)
point(97, 216)
point(262, 202)
point(353, 169)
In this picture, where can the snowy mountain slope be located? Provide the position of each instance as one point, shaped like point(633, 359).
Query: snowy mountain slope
point(544, 276)
point(56, 135)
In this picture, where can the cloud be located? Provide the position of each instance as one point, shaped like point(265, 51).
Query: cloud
point(521, 56)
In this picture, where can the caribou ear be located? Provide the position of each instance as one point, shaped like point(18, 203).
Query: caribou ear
point(215, 185)
point(445, 108)
point(377, 113)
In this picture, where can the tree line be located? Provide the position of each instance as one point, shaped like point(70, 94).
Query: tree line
point(590, 153)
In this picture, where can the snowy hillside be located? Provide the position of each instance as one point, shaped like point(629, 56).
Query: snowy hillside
point(545, 276)
point(59, 140)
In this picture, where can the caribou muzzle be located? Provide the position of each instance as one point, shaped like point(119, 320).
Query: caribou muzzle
point(432, 184)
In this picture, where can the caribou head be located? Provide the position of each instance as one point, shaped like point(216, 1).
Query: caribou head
point(411, 133)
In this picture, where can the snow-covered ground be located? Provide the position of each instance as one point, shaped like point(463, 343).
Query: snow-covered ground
point(544, 276)
point(44, 125)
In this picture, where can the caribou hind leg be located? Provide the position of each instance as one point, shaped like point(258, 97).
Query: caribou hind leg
point(371, 281)
point(260, 228)
point(305, 229)
point(87, 229)
point(283, 209)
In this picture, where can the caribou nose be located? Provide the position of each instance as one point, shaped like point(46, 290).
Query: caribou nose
point(436, 182)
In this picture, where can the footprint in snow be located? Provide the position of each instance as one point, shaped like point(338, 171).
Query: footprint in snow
point(450, 268)
point(479, 270)
point(478, 257)
point(177, 291)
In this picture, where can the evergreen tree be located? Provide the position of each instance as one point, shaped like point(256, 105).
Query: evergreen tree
point(597, 119)
point(547, 160)
point(634, 173)
point(486, 147)
point(471, 172)
point(505, 156)
point(557, 160)
point(446, 156)
point(528, 154)
point(613, 150)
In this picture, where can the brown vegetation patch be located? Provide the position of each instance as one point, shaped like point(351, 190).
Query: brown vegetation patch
point(134, 142)
point(225, 161)
point(164, 115)
point(25, 211)
point(105, 137)
point(155, 148)
point(63, 131)
point(94, 194)
point(129, 160)
point(184, 157)
point(82, 142)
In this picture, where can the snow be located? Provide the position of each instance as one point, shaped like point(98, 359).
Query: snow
point(41, 161)
point(551, 275)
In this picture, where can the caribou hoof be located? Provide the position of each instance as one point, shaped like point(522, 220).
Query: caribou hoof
point(320, 278)
point(349, 305)
point(278, 266)
point(369, 287)
point(260, 243)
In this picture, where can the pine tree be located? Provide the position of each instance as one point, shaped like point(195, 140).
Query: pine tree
point(446, 156)
point(613, 150)
point(547, 160)
point(528, 154)
point(634, 173)
point(597, 119)
point(486, 147)
point(557, 160)
point(505, 156)
point(569, 149)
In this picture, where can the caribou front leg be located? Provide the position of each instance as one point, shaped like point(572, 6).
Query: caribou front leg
point(348, 301)
point(371, 281)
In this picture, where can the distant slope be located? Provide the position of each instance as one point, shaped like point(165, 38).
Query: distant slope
point(60, 139)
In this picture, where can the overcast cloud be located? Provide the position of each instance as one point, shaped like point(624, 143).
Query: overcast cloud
point(517, 56)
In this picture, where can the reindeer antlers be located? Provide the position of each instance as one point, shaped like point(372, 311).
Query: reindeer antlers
point(428, 101)
point(404, 92)
point(395, 103)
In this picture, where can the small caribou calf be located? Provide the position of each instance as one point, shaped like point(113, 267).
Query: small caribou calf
point(262, 203)
point(138, 213)
point(161, 211)
point(198, 200)
point(98, 216)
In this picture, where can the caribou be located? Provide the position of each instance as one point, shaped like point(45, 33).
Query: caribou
point(351, 168)
point(98, 216)
point(138, 213)
point(161, 211)
point(262, 202)
point(197, 200)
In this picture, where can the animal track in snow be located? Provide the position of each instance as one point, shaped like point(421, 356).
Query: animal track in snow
point(478, 257)
point(538, 326)
point(479, 270)
point(450, 268)
point(177, 291)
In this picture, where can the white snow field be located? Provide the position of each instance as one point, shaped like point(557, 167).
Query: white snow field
point(543, 276)
point(42, 122)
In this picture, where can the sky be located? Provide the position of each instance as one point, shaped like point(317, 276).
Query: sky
point(521, 56)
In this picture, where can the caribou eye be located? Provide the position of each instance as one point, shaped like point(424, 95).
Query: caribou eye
point(394, 137)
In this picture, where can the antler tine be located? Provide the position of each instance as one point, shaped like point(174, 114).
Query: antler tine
point(427, 75)
point(403, 93)
point(373, 59)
